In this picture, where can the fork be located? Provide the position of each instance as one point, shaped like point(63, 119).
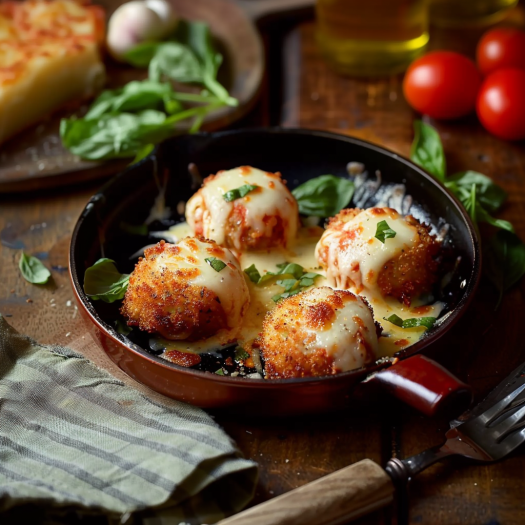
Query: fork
point(489, 432)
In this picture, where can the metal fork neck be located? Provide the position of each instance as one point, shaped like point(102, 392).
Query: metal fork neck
point(403, 470)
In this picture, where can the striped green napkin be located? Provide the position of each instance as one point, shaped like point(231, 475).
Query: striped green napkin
point(72, 435)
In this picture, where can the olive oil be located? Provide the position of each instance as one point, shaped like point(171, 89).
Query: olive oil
point(450, 13)
point(371, 37)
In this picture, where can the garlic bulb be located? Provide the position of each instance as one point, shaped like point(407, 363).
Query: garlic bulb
point(136, 22)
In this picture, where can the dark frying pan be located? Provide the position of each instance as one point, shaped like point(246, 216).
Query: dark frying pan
point(298, 155)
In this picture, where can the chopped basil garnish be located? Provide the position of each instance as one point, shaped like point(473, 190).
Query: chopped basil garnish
point(238, 193)
point(323, 196)
point(103, 281)
point(33, 271)
point(297, 282)
point(384, 232)
point(241, 354)
point(427, 322)
point(215, 263)
point(219, 372)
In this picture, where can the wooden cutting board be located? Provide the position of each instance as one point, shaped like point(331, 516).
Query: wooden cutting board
point(35, 158)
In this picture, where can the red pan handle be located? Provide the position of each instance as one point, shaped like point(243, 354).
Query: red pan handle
point(425, 385)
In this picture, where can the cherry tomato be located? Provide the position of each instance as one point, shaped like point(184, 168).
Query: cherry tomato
point(442, 84)
point(501, 48)
point(501, 104)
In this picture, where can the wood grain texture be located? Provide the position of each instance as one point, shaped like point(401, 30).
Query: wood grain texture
point(481, 350)
point(337, 498)
point(36, 159)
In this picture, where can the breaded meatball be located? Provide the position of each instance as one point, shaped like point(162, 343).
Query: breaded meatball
point(265, 217)
point(176, 291)
point(403, 267)
point(318, 332)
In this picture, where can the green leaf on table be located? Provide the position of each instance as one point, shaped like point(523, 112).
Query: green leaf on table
point(324, 196)
point(104, 282)
point(383, 232)
point(427, 150)
point(414, 322)
point(239, 193)
point(504, 260)
point(490, 195)
point(32, 270)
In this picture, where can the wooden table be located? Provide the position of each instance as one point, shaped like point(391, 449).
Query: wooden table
point(481, 349)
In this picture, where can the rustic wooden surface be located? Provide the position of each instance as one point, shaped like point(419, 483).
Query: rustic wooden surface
point(481, 349)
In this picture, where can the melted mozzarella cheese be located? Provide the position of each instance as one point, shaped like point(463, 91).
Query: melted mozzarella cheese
point(356, 256)
point(392, 340)
point(228, 284)
point(271, 199)
point(349, 336)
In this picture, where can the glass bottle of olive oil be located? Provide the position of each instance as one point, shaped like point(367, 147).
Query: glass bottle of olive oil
point(371, 37)
point(451, 13)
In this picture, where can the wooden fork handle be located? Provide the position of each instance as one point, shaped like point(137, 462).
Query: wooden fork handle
point(331, 500)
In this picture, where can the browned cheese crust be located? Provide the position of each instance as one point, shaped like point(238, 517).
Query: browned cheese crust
point(287, 330)
point(164, 301)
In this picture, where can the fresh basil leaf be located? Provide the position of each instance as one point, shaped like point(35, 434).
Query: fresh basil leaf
point(323, 196)
point(489, 194)
point(288, 284)
point(383, 232)
point(141, 54)
point(290, 269)
point(176, 62)
point(285, 295)
point(483, 216)
point(427, 322)
point(220, 372)
point(142, 153)
point(427, 150)
point(134, 229)
point(241, 354)
point(32, 270)
point(103, 281)
point(238, 193)
point(122, 328)
point(215, 263)
point(505, 260)
point(253, 274)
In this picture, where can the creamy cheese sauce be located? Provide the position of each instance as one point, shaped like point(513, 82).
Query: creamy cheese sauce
point(392, 340)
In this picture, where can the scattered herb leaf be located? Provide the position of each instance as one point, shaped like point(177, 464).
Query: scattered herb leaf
point(219, 372)
point(215, 263)
point(427, 322)
point(323, 196)
point(253, 274)
point(238, 193)
point(32, 270)
point(427, 150)
point(122, 328)
point(383, 232)
point(241, 354)
point(134, 229)
point(505, 261)
point(103, 281)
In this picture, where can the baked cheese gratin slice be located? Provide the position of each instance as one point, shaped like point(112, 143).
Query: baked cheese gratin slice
point(49, 55)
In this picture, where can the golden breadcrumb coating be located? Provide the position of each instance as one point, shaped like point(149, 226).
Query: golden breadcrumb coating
point(172, 291)
point(317, 332)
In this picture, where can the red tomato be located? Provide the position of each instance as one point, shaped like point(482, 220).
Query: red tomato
point(501, 48)
point(442, 84)
point(501, 104)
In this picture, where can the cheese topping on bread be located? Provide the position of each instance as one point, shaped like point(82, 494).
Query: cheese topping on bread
point(49, 55)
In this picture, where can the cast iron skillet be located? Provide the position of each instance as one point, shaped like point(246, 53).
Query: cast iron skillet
point(298, 155)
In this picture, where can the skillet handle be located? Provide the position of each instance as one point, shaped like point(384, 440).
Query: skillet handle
point(425, 385)
point(335, 499)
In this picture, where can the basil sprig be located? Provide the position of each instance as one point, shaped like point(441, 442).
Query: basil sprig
point(215, 263)
point(414, 322)
point(32, 270)
point(125, 122)
point(481, 197)
point(104, 282)
point(383, 232)
point(323, 196)
point(239, 193)
point(297, 281)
